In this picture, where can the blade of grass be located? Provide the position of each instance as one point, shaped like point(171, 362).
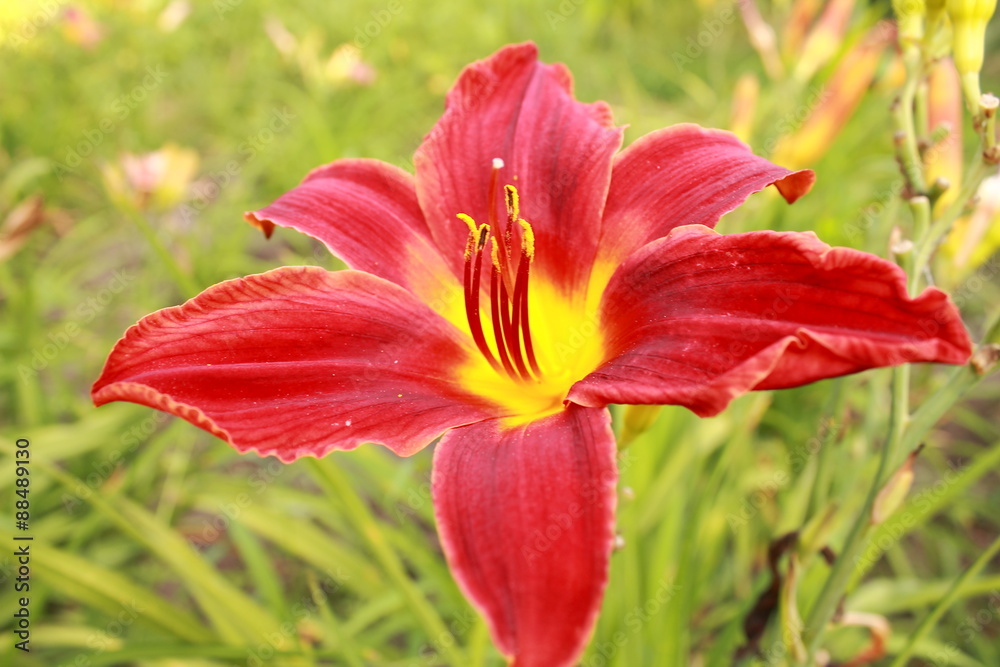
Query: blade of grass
point(945, 603)
point(333, 481)
point(63, 569)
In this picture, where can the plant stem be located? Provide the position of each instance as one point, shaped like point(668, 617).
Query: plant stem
point(822, 611)
point(909, 153)
point(926, 246)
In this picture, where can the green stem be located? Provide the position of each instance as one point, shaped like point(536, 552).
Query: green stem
point(909, 153)
point(959, 382)
point(920, 208)
point(821, 479)
point(945, 603)
point(833, 590)
point(333, 481)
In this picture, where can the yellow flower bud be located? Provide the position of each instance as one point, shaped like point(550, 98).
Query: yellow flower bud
point(968, 22)
point(637, 420)
point(910, 19)
point(892, 495)
point(935, 13)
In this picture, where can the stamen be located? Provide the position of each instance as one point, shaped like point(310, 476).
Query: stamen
point(510, 329)
point(473, 271)
point(498, 300)
point(470, 245)
point(508, 284)
point(520, 302)
point(513, 204)
point(528, 239)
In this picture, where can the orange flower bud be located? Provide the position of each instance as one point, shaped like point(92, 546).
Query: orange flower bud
point(944, 110)
point(835, 103)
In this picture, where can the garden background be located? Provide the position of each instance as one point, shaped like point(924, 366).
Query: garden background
point(133, 135)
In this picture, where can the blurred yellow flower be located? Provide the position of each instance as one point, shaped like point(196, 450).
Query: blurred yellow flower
point(80, 28)
point(159, 179)
point(346, 66)
point(976, 237)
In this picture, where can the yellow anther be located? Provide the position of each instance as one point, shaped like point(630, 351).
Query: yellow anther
point(495, 256)
point(513, 205)
point(469, 221)
point(528, 239)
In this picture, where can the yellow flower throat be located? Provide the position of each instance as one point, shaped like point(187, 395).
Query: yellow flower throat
point(527, 372)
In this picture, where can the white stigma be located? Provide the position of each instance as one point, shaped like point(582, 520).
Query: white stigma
point(498, 163)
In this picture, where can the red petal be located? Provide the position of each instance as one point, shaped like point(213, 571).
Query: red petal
point(366, 212)
point(526, 518)
point(697, 319)
point(298, 361)
point(684, 175)
point(557, 152)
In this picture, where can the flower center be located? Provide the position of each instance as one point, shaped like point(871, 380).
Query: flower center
point(526, 369)
point(512, 249)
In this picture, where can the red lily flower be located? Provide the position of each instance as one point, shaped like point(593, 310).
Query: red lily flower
point(572, 278)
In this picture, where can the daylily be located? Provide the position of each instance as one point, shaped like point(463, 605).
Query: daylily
point(525, 278)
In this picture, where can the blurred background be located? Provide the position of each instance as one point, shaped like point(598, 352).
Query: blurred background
point(133, 135)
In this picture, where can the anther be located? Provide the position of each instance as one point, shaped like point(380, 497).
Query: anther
point(513, 205)
point(508, 283)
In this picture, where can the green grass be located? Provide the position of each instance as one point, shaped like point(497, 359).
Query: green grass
point(155, 544)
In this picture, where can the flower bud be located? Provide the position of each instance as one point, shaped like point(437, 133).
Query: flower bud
point(935, 13)
point(944, 118)
point(895, 490)
point(637, 420)
point(910, 16)
point(968, 22)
